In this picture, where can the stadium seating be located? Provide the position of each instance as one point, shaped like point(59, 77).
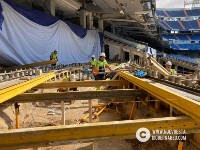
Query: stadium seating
point(178, 13)
point(174, 25)
point(195, 46)
point(193, 12)
point(183, 58)
point(160, 13)
point(182, 25)
point(181, 37)
point(194, 37)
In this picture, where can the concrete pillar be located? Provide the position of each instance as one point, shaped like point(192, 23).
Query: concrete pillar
point(50, 4)
point(82, 15)
point(90, 21)
point(101, 25)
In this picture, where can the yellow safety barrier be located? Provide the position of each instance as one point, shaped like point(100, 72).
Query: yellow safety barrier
point(182, 103)
point(10, 92)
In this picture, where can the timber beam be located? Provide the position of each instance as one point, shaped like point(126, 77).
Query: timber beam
point(184, 104)
point(10, 92)
point(26, 138)
point(77, 95)
point(82, 84)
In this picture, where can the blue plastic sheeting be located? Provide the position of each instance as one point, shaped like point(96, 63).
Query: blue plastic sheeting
point(1, 17)
point(101, 39)
point(33, 15)
point(44, 19)
point(80, 31)
point(140, 73)
point(24, 41)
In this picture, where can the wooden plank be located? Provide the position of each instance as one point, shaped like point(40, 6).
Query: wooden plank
point(82, 84)
point(157, 66)
point(91, 131)
point(14, 68)
point(77, 95)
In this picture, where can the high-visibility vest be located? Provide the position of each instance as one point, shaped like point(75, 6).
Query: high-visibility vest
point(173, 71)
point(66, 78)
point(92, 62)
point(99, 63)
point(54, 56)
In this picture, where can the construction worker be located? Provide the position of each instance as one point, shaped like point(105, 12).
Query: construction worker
point(168, 67)
point(99, 67)
point(54, 56)
point(92, 61)
point(67, 78)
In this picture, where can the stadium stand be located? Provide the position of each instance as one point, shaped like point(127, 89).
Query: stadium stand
point(178, 13)
point(176, 25)
point(181, 37)
point(183, 58)
point(195, 46)
point(180, 28)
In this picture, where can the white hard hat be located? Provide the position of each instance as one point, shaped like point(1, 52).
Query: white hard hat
point(93, 56)
point(169, 63)
point(72, 77)
point(102, 55)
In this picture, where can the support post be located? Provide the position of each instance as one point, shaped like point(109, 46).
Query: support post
point(132, 110)
point(197, 138)
point(51, 6)
point(90, 20)
point(157, 106)
point(170, 111)
point(90, 110)
point(17, 115)
point(63, 112)
point(100, 23)
point(94, 144)
point(180, 145)
point(83, 15)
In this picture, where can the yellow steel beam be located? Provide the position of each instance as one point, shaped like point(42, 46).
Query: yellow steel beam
point(77, 95)
point(92, 131)
point(183, 104)
point(10, 92)
point(29, 65)
point(82, 84)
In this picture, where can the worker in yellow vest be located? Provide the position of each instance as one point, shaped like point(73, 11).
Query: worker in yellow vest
point(54, 56)
point(99, 67)
point(67, 78)
point(92, 61)
point(168, 67)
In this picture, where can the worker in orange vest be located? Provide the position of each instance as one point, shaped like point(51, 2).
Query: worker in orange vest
point(99, 67)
